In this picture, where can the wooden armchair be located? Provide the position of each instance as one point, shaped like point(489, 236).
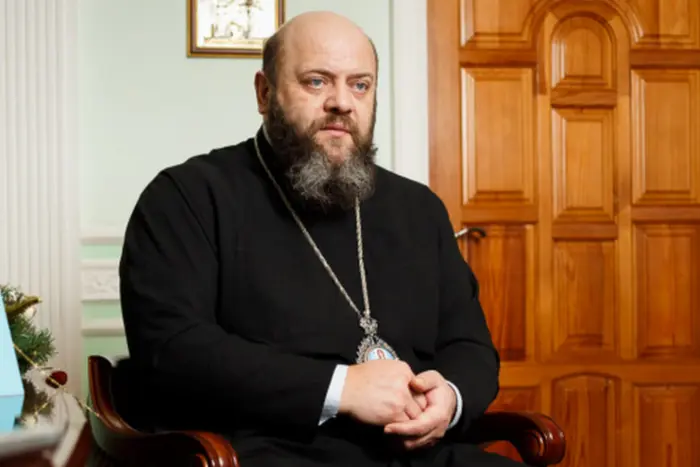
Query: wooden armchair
point(537, 438)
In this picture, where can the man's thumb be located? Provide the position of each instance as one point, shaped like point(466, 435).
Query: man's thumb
point(419, 384)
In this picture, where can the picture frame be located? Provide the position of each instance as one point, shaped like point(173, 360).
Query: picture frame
point(231, 28)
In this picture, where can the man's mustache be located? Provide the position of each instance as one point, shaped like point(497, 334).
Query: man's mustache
point(340, 120)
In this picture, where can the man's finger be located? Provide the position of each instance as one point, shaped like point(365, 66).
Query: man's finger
point(425, 381)
point(421, 400)
point(418, 427)
point(427, 440)
point(418, 384)
point(413, 410)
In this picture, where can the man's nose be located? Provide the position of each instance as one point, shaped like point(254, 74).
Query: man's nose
point(340, 100)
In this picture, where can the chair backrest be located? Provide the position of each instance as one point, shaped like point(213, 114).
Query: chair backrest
point(114, 419)
point(105, 419)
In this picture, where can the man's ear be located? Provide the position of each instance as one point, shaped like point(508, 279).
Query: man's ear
point(262, 92)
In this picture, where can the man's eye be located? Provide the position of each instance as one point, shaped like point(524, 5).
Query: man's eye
point(316, 82)
point(362, 87)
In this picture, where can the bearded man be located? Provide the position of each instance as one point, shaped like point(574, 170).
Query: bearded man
point(290, 294)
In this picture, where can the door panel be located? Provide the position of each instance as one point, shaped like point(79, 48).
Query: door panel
point(666, 106)
point(667, 279)
point(570, 132)
point(501, 264)
point(498, 101)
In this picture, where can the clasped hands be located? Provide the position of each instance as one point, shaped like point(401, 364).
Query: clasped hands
point(387, 393)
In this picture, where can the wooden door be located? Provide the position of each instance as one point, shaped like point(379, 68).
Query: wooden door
point(570, 131)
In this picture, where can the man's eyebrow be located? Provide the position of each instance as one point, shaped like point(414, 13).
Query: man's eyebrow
point(362, 75)
point(325, 72)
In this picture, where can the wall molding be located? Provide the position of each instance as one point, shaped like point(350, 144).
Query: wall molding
point(112, 327)
point(100, 283)
point(39, 173)
point(100, 236)
point(409, 47)
point(100, 280)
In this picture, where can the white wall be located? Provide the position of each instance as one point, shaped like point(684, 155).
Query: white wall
point(145, 105)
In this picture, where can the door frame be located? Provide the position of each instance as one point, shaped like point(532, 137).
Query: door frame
point(444, 101)
point(409, 89)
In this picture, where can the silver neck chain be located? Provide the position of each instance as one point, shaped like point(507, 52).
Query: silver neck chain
point(367, 323)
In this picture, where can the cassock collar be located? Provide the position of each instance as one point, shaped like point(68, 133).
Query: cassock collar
point(264, 143)
point(263, 129)
point(268, 154)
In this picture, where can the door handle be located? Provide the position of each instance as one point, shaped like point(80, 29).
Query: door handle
point(471, 231)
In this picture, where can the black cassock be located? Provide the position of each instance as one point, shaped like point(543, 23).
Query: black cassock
point(237, 324)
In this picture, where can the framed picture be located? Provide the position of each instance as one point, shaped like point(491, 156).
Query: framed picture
point(231, 28)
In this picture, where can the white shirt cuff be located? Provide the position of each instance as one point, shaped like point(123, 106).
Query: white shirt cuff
point(334, 393)
point(458, 409)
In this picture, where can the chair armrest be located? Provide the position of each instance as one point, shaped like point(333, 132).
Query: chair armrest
point(166, 449)
point(217, 449)
point(537, 438)
point(120, 441)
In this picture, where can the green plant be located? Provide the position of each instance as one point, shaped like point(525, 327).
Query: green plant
point(36, 344)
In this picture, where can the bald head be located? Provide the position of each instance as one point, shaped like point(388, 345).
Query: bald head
point(305, 30)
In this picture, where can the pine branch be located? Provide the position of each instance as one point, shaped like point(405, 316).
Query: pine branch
point(36, 344)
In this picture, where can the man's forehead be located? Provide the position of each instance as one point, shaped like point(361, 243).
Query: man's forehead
point(337, 54)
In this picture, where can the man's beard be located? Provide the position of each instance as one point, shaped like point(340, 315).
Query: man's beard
point(309, 169)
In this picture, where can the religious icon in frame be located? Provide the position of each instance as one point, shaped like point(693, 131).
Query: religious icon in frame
point(231, 28)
